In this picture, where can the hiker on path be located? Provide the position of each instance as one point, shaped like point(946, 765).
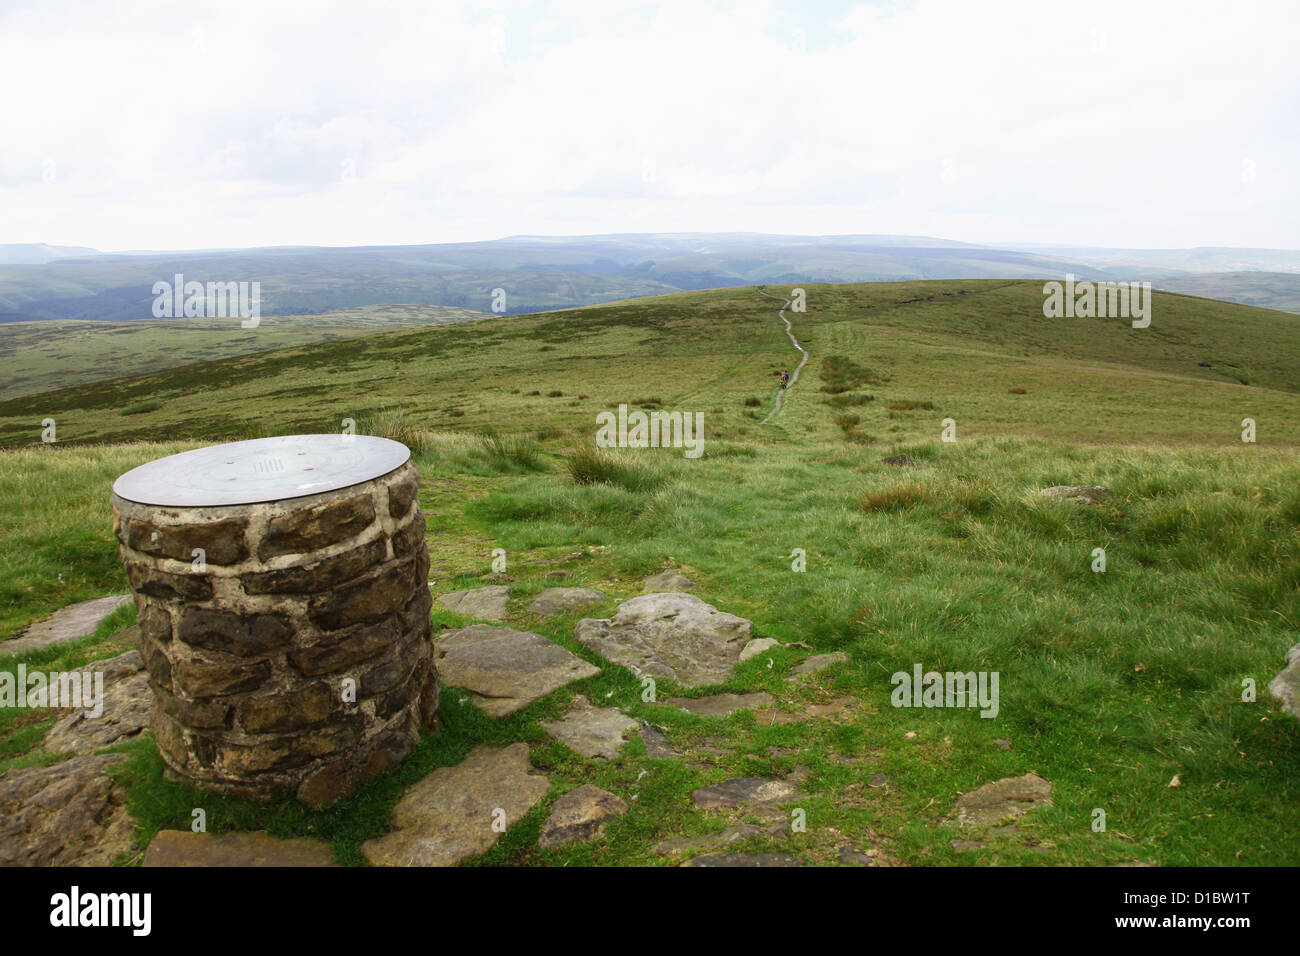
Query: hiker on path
point(785, 379)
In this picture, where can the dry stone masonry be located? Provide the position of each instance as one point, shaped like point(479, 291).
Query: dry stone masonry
point(294, 653)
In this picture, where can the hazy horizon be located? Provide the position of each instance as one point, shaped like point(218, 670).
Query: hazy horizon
point(1011, 245)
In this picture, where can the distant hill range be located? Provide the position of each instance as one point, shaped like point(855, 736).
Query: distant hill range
point(38, 253)
point(540, 273)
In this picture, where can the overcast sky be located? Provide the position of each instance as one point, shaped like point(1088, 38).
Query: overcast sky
point(164, 125)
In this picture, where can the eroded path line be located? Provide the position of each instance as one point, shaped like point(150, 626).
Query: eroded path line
point(780, 392)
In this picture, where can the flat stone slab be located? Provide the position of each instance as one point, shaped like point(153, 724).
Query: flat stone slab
point(591, 731)
point(851, 857)
point(1003, 800)
point(656, 744)
point(747, 859)
point(670, 580)
point(1083, 494)
point(835, 710)
point(757, 646)
point(818, 662)
point(553, 601)
point(66, 624)
point(183, 848)
point(741, 791)
point(68, 814)
point(505, 669)
point(580, 816)
point(709, 842)
point(720, 705)
point(670, 635)
point(449, 815)
point(123, 713)
point(1286, 685)
point(487, 603)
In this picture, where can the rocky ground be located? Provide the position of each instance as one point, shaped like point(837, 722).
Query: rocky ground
point(73, 812)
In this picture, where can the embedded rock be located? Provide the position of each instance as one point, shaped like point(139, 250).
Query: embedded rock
point(747, 859)
point(506, 669)
point(670, 580)
point(558, 600)
point(486, 604)
point(670, 635)
point(591, 731)
point(740, 791)
point(183, 848)
point(757, 646)
point(818, 662)
point(580, 815)
point(721, 705)
point(713, 841)
point(122, 714)
point(656, 744)
point(66, 624)
point(1286, 685)
point(454, 813)
point(68, 814)
point(1083, 494)
point(1003, 800)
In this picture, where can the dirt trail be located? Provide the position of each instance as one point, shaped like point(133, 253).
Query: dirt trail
point(802, 362)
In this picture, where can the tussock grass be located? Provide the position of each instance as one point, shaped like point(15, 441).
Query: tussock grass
point(395, 425)
point(589, 465)
point(842, 374)
point(139, 408)
point(510, 453)
point(849, 400)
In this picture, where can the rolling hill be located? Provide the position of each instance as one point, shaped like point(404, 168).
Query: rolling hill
point(542, 273)
point(40, 356)
point(1113, 683)
point(960, 344)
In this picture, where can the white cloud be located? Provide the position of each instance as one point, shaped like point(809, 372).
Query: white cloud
point(202, 125)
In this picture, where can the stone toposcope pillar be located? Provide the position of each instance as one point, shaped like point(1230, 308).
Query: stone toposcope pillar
point(283, 611)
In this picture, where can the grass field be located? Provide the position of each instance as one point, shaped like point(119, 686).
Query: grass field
point(1112, 685)
point(40, 356)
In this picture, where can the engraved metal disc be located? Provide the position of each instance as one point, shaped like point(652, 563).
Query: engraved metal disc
point(264, 469)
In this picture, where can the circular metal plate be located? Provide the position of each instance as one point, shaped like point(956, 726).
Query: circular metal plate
point(264, 469)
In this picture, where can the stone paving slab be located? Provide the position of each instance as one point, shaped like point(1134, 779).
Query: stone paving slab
point(552, 601)
point(486, 604)
point(779, 829)
point(1003, 800)
point(742, 791)
point(747, 860)
point(449, 816)
point(66, 624)
point(670, 580)
point(591, 731)
point(656, 744)
point(816, 663)
point(184, 848)
point(670, 635)
point(721, 705)
point(505, 669)
point(580, 816)
point(1286, 685)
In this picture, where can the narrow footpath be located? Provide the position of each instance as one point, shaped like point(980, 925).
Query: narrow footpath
point(780, 392)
